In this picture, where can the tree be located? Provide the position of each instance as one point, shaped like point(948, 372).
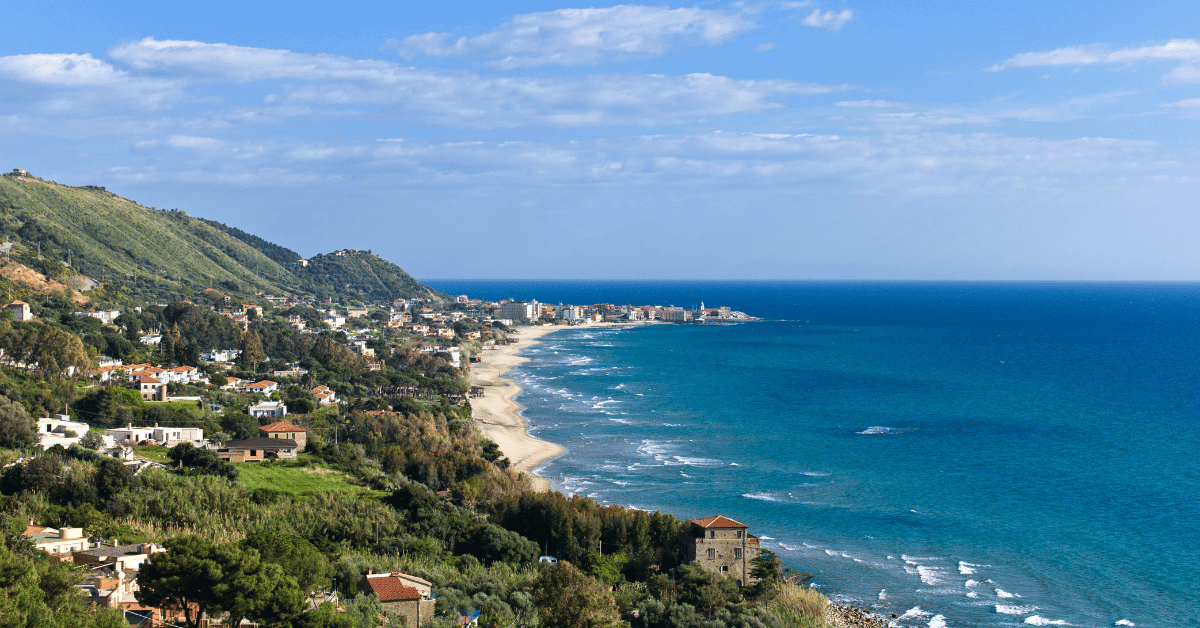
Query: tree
point(255, 590)
point(364, 611)
point(566, 598)
point(252, 351)
point(17, 428)
point(91, 440)
point(184, 577)
point(299, 558)
point(324, 616)
point(196, 461)
point(239, 424)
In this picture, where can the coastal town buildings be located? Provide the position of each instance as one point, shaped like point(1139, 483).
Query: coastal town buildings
point(724, 546)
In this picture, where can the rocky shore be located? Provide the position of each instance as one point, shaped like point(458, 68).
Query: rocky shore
point(841, 616)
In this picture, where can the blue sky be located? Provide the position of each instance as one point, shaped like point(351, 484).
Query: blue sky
point(825, 139)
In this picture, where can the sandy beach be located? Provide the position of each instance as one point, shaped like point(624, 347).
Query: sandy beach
point(499, 416)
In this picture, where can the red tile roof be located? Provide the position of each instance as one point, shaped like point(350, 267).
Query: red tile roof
point(146, 379)
point(718, 521)
point(281, 426)
point(388, 588)
point(266, 383)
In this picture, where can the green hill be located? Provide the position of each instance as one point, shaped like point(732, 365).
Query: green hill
point(139, 252)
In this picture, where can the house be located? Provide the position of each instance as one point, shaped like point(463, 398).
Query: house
point(265, 387)
point(105, 316)
point(283, 429)
point(232, 382)
point(59, 430)
point(130, 434)
point(151, 339)
point(267, 409)
point(259, 449)
point(20, 310)
point(57, 543)
point(164, 435)
point(397, 595)
point(151, 388)
point(119, 556)
point(724, 546)
point(324, 395)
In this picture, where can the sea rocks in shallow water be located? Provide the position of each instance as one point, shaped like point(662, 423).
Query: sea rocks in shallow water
point(839, 616)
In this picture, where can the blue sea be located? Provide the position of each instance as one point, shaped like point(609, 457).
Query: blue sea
point(955, 454)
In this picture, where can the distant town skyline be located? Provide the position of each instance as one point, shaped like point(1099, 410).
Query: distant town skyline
point(818, 139)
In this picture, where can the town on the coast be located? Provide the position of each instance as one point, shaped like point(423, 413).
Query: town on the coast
point(201, 428)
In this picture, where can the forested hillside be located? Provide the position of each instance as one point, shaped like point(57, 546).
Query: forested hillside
point(141, 253)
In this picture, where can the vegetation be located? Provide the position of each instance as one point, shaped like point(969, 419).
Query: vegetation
point(139, 252)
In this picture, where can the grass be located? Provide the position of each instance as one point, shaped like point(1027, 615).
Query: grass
point(296, 480)
point(155, 453)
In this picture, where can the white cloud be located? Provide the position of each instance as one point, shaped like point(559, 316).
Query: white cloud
point(764, 47)
point(60, 69)
point(828, 20)
point(1174, 50)
point(461, 97)
point(583, 36)
point(1189, 103)
point(1183, 74)
point(871, 104)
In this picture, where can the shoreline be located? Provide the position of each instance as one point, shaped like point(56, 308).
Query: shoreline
point(499, 417)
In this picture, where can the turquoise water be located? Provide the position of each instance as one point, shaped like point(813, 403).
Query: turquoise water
point(955, 454)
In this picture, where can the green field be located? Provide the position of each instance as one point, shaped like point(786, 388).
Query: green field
point(295, 480)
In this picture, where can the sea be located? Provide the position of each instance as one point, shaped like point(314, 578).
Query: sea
point(941, 453)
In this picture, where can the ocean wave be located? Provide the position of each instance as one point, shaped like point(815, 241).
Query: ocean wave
point(790, 548)
point(931, 575)
point(1038, 620)
point(883, 595)
point(877, 430)
point(1001, 593)
point(1124, 622)
point(766, 497)
point(914, 613)
point(937, 621)
point(692, 461)
point(814, 474)
point(971, 583)
point(766, 538)
point(622, 421)
point(967, 569)
point(1008, 609)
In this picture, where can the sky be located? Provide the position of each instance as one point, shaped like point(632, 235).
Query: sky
point(817, 139)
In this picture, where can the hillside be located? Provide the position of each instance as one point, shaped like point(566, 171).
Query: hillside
point(140, 252)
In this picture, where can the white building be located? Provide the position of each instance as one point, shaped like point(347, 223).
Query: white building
point(267, 409)
point(164, 435)
point(106, 316)
point(518, 310)
point(58, 430)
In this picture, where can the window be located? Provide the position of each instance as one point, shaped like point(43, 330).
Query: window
point(737, 535)
point(712, 553)
point(724, 568)
point(737, 552)
point(253, 452)
point(712, 534)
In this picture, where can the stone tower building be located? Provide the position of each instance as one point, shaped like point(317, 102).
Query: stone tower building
point(725, 546)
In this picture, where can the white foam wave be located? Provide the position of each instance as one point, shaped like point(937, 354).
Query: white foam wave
point(1008, 609)
point(1001, 593)
point(883, 595)
point(1038, 620)
point(938, 621)
point(693, 461)
point(967, 569)
point(877, 430)
point(971, 583)
point(766, 497)
point(931, 575)
point(815, 474)
point(766, 538)
point(790, 548)
point(914, 613)
point(972, 594)
point(1124, 622)
point(621, 483)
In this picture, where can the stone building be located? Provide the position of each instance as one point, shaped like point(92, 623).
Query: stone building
point(398, 595)
point(725, 546)
point(283, 429)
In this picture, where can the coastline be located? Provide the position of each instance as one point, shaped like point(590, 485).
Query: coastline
point(499, 417)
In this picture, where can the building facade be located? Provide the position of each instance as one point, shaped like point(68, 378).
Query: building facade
point(724, 546)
